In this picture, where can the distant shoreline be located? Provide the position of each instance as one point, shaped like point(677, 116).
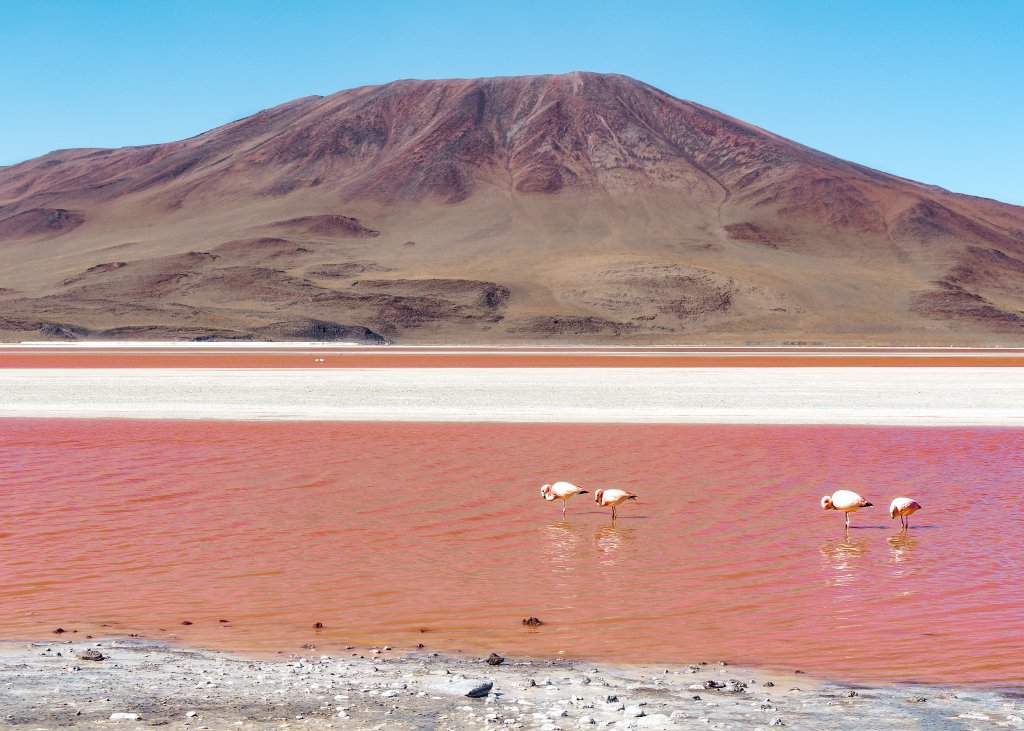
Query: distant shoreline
point(921, 396)
point(321, 356)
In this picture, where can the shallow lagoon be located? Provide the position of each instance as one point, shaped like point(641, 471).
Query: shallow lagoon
point(410, 533)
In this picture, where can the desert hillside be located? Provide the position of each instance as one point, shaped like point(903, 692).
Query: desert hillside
point(580, 208)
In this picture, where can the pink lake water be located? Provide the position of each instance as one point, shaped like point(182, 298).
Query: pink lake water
point(436, 534)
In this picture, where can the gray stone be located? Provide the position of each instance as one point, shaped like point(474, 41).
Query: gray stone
point(468, 688)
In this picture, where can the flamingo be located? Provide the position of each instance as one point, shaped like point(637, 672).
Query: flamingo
point(612, 498)
point(562, 491)
point(846, 500)
point(903, 507)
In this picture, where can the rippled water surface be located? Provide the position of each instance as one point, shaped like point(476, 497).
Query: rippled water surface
point(410, 533)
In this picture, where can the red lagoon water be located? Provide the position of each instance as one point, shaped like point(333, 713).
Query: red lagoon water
point(410, 533)
point(256, 355)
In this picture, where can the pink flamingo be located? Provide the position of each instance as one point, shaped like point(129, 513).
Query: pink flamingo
point(903, 507)
point(612, 498)
point(562, 491)
point(845, 500)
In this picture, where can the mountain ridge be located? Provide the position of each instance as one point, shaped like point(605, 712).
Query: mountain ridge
point(607, 209)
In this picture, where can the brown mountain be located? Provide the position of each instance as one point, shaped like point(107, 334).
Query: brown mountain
point(574, 208)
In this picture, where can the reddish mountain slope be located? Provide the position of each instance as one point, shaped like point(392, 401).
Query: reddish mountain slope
point(581, 207)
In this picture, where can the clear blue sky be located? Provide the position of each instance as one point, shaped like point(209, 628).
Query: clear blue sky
point(931, 90)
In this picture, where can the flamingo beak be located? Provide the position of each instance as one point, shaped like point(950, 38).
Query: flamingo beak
point(869, 505)
point(584, 492)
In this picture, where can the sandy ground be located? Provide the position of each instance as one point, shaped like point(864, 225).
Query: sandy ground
point(897, 396)
point(46, 686)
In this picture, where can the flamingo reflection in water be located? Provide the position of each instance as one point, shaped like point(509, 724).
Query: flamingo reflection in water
point(609, 540)
point(901, 545)
point(565, 545)
point(842, 558)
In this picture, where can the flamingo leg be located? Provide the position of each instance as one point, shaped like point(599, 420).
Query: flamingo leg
point(847, 520)
point(563, 508)
point(613, 512)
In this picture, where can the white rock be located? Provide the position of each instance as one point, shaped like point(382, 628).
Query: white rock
point(634, 712)
point(655, 720)
point(587, 721)
point(124, 716)
point(192, 714)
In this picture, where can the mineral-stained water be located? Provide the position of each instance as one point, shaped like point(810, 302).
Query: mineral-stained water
point(405, 534)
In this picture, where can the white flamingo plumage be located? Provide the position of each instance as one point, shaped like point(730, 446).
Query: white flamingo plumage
point(563, 491)
point(903, 507)
point(845, 500)
point(612, 498)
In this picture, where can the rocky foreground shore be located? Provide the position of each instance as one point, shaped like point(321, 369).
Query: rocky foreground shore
point(128, 684)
